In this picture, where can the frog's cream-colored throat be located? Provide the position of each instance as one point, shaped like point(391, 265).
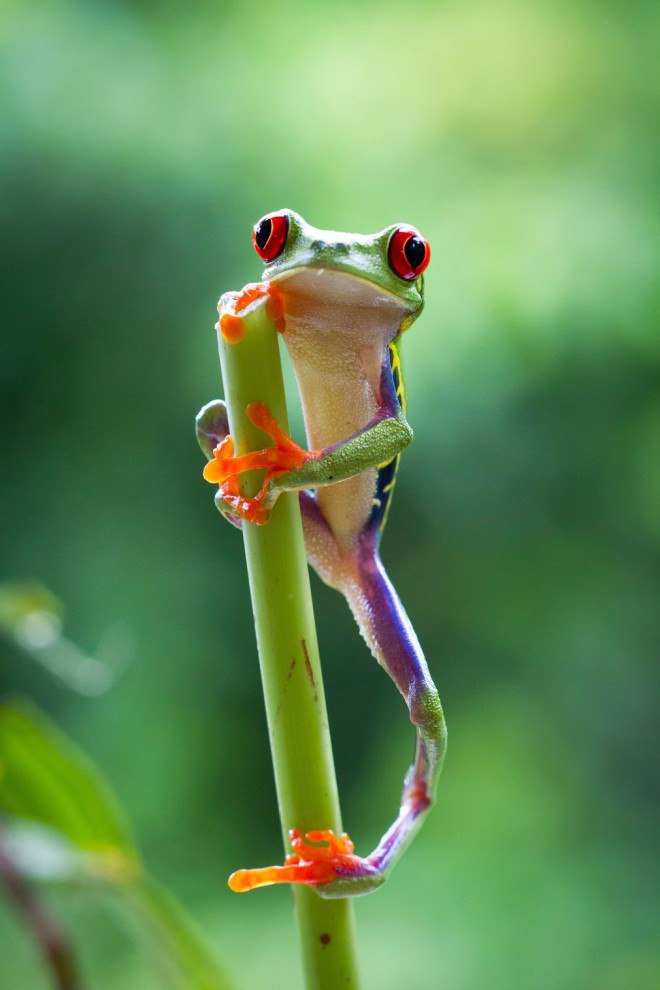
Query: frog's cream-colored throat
point(340, 301)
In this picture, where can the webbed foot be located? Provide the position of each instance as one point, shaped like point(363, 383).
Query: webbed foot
point(328, 864)
point(224, 468)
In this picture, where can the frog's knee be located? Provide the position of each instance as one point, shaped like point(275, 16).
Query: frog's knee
point(426, 713)
point(211, 426)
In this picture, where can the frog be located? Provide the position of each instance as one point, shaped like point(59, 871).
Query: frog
point(341, 302)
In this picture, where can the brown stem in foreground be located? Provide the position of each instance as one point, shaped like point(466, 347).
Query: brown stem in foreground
point(50, 939)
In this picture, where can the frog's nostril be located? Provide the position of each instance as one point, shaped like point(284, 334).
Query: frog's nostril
point(336, 247)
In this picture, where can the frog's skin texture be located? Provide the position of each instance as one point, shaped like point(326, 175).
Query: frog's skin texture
point(341, 309)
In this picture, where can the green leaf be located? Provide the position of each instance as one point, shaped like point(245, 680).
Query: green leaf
point(42, 855)
point(191, 962)
point(45, 778)
point(66, 825)
point(31, 618)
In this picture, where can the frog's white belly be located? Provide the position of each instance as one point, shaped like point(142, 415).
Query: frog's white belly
point(337, 401)
point(337, 331)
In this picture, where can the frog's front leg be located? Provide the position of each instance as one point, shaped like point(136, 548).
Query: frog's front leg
point(212, 429)
point(381, 439)
point(288, 467)
point(224, 468)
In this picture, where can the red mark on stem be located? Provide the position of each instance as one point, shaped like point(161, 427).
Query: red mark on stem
point(325, 939)
point(308, 668)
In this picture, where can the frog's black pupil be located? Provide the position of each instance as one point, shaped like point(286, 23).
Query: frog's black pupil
point(414, 250)
point(262, 233)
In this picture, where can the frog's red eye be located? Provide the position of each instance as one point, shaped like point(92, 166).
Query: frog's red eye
point(408, 253)
point(269, 235)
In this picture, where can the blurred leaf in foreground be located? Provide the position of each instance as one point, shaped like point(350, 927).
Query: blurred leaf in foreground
point(31, 617)
point(45, 778)
point(64, 824)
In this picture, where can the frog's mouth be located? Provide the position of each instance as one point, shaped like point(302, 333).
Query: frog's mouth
point(327, 298)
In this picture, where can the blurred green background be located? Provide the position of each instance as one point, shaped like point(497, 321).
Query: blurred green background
point(138, 144)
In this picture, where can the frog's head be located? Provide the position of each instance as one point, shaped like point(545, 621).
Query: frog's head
point(383, 269)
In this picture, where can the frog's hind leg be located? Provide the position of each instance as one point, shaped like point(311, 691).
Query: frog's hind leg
point(323, 552)
point(359, 574)
point(321, 859)
point(389, 634)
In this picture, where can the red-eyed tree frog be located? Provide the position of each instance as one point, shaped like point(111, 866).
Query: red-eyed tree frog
point(341, 302)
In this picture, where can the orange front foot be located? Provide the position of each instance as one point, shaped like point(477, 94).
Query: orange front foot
point(232, 304)
point(310, 864)
point(284, 455)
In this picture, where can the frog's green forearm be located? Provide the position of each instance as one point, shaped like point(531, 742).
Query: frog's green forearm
point(371, 447)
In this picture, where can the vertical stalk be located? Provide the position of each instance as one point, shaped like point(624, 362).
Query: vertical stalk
point(288, 655)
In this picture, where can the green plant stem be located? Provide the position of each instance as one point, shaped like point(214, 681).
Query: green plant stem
point(289, 657)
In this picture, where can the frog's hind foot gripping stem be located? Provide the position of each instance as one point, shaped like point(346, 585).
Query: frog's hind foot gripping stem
point(332, 868)
point(322, 860)
point(327, 863)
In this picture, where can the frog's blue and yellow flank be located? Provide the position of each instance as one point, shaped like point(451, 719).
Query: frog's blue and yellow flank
point(341, 302)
